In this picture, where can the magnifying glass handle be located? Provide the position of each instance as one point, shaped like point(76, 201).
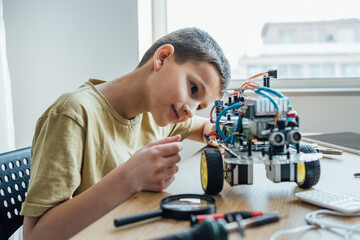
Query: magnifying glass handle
point(135, 218)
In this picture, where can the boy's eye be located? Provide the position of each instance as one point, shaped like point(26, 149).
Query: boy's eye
point(193, 88)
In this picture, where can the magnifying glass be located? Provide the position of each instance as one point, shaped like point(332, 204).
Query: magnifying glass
point(178, 207)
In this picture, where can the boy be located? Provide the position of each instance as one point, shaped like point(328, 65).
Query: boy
point(99, 145)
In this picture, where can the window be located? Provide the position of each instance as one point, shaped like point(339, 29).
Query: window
point(315, 70)
point(258, 35)
point(253, 69)
point(328, 70)
point(346, 35)
point(350, 69)
point(315, 36)
point(296, 70)
point(321, 70)
point(287, 36)
point(289, 71)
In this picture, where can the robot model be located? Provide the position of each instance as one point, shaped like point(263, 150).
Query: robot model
point(259, 129)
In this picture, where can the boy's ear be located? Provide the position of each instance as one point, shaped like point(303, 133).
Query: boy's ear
point(161, 54)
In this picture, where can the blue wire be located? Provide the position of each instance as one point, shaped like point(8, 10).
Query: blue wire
point(234, 106)
point(272, 91)
point(230, 138)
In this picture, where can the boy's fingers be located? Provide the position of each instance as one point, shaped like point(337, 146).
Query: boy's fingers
point(175, 138)
point(169, 180)
point(169, 149)
point(173, 169)
point(171, 161)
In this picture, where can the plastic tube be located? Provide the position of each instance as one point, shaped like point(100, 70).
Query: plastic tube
point(234, 106)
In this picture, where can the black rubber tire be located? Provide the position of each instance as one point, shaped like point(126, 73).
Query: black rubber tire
point(312, 169)
point(215, 171)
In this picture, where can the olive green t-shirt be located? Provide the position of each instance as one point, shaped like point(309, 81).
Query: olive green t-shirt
point(81, 138)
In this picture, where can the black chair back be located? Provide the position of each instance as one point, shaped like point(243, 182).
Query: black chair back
point(14, 180)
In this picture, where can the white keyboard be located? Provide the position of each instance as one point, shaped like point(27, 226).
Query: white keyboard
point(344, 204)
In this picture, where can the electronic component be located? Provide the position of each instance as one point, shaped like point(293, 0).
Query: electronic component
point(251, 130)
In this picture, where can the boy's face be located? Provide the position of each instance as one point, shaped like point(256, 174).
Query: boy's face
point(178, 90)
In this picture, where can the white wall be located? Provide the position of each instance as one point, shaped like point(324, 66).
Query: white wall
point(54, 46)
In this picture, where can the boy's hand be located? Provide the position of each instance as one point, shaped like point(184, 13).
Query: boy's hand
point(153, 167)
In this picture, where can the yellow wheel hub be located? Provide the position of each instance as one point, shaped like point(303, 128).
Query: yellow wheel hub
point(204, 172)
point(301, 172)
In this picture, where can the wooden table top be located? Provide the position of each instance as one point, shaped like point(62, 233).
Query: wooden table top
point(336, 176)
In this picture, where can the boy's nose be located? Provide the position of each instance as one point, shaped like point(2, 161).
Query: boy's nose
point(189, 112)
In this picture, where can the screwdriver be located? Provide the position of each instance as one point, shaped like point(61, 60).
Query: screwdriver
point(229, 217)
point(211, 229)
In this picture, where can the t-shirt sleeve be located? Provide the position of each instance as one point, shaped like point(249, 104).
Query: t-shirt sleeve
point(56, 159)
point(184, 128)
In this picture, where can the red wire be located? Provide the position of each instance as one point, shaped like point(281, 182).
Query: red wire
point(212, 134)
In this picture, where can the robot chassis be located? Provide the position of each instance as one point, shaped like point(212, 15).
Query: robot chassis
point(262, 130)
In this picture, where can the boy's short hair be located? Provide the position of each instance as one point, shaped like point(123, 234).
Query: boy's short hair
point(193, 44)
